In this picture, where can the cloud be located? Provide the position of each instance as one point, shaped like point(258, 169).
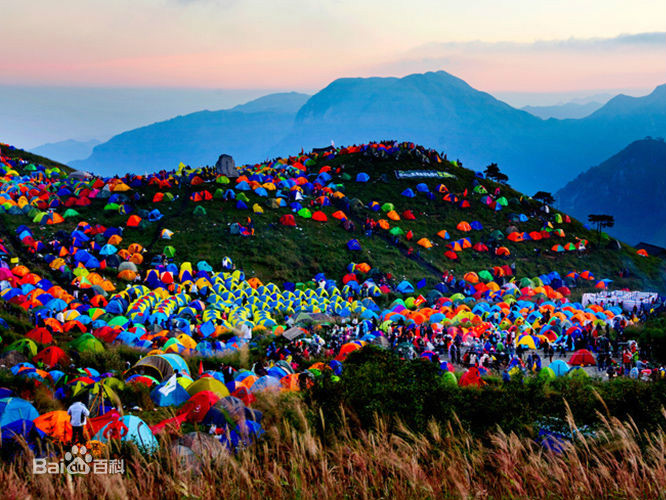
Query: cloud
point(654, 40)
point(625, 61)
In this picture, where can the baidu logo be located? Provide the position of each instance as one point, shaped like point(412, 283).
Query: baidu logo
point(78, 462)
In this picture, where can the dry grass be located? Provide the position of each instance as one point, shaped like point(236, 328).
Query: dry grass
point(441, 462)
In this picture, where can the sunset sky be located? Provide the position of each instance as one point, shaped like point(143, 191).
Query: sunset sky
point(89, 69)
point(511, 45)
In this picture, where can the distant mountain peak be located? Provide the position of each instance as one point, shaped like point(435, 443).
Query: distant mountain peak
point(280, 102)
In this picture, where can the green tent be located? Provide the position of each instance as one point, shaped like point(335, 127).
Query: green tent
point(169, 251)
point(547, 374)
point(497, 235)
point(449, 379)
point(223, 179)
point(387, 207)
point(525, 282)
point(199, 210)
point(25, 346)
point(396, 231)
point(305, 213)
point(70, 212)
point(87, 343)
point(485, 276)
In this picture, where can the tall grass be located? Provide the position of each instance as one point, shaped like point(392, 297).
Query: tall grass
point(442, 461)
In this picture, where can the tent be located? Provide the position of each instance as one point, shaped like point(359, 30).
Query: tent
point(353, 245)
point(288, 220)
point(15, 409)
point(582, 357)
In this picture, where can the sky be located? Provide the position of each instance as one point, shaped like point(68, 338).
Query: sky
point(530, 51)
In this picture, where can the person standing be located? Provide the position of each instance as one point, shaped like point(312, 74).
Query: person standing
point(77, 416)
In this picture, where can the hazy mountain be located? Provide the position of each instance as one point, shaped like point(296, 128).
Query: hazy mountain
point(198, 138)
point(630, 186)
point(563, 111)
point(284, 102)
point(66, 151)
point(435, 109)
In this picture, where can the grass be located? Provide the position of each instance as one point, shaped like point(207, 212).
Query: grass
point(279, 253)
point(441, 461)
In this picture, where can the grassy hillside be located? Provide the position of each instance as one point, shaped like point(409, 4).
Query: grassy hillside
point(16, 153)
point(279, 253)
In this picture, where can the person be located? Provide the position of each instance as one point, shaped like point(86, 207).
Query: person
point(77, 417)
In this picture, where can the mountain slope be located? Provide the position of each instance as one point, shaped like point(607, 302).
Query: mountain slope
point(563, 111)
point(66, 151)
point(434, 109)
point(198, 138)
point(630, 186)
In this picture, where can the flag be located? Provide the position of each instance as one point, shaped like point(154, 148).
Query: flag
point(201, 368)
point(421, 283)
point(169, 386)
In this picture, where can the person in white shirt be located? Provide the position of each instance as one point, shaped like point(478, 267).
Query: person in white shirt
point(77, 417)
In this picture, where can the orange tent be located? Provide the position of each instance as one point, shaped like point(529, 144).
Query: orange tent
point(56, 425)
point(340, 215)
point(133, 221)
point(393, 215)
point(464, 226)
point(425, 243)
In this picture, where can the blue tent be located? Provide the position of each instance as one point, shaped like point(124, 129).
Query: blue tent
point(405, 287)
point(353, 245)
point(409, 193)
point(138, 433)
point(14, 409)
point(163, 397)
point(560, 367)
point(362, 177)
point(422, 188)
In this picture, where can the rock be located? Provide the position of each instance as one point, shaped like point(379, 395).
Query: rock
point(226, 166)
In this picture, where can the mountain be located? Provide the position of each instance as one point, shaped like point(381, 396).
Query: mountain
point(436, 109)
point(198, 138)
point(66, 151)
point(284, 102)
point(563, 111)
point(630, 186)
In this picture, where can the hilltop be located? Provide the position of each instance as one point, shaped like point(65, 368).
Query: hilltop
point(279, 253)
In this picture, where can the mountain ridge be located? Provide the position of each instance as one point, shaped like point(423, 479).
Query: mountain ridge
point(436, 109)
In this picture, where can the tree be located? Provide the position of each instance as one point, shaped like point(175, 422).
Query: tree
point(601, 221)
point(544, 197)
point(493, 172)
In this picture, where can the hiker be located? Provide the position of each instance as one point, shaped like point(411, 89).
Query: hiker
point(77, 416)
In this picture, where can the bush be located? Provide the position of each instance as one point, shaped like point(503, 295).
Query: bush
point(377, 382)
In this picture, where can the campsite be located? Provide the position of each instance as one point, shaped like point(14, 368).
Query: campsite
point(324, 307)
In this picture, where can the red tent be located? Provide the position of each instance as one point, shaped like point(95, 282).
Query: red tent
point(40, 335)
point(52, 355)
point(319, 216)
point(582, 357)
point(471, 378)
point(288, 220)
